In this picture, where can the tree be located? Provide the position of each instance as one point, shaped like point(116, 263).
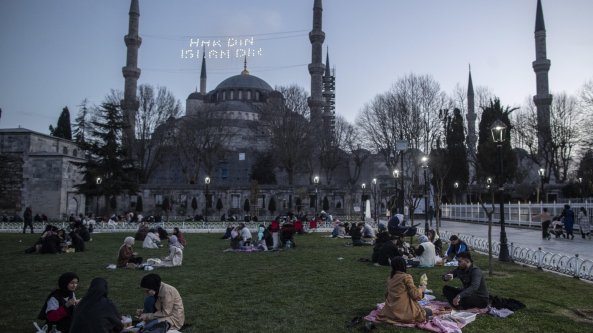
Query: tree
point(63, 129)
point(219, 205)
point(566, 134)
point(325, 204)
point(139, 204)
point(246, 206)
point(82, 126)
point(166, 206)
point(440, 167)
point(487, 156)
point(456, 154)
point(331, 150)
point(194, 204)
point(585, 173)
point(262, 170)
point(107, 158)
point(272, 205)
point(286, 118)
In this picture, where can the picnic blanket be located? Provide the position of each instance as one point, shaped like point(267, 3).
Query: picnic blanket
point(441, 321)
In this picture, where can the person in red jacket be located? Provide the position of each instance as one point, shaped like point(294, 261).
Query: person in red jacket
point(57, 309)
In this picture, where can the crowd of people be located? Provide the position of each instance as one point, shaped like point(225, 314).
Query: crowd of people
point(563, 225)
point(162, 307)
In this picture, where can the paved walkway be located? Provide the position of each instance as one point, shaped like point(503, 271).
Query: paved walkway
point(528, 238)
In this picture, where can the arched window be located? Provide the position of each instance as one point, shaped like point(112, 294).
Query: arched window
point(232, 94)
point(249, 94)
point(240, 94)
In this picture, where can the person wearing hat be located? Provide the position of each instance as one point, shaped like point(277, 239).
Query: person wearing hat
point(474, 293)
point(425, 253)
point(456, 246)
point(162, 303)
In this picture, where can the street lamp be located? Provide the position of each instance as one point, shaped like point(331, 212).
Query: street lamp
point(456, 186)
point(207, 183)
point(316, 182)
point(542, 177)
point(363, 201)
point(425, 167)
point(98, 181)
point(580, 179)
point(374, 184)
point(395, 177)
point(498, 130)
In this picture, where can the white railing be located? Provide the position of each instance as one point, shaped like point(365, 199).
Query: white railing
point(520, 214)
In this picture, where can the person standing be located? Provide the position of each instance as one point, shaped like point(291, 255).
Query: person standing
point(546, 219)
point(96, 313)
point(28, 219)
point(474, 293)
point(583, 222)
point(568, 220)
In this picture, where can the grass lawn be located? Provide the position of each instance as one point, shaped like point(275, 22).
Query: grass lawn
point(306, 289)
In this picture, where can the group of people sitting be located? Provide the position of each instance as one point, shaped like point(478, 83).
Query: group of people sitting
point(272, 237)
point(95, 312)
point(128, 258)
point(55, 240)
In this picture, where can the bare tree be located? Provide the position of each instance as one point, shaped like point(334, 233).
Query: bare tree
point(286, 119)
point(566, 118)
point(586, 103)
point(332, 149)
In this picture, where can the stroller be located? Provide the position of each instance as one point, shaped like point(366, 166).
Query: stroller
point(557, 228)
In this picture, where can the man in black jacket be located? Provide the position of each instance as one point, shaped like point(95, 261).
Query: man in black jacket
point(474, 293)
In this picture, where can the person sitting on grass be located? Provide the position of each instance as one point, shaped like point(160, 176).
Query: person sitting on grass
point(180, 236)
point(402, 296)
point(474, 293)
point(96, 313)
point(175, 257)
point(368, 231)
point(356, 234)
point(456, 247)
point(436, 240)
point(287, 235)
point(385, 249)
point(161, 304)
point(245, 234)
point(126, 257)
point(152, 240)
point(59, 305)
point(425, 253)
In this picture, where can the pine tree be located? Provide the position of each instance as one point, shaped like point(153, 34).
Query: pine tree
point(63, 129)
point(456, 154)
point(82, 126)
point(487, 156)
point(107, 159)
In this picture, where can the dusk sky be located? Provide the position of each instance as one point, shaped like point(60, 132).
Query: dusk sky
point(55, 53)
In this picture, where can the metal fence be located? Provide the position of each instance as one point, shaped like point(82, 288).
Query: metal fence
point(559, 263)
point(519, 214)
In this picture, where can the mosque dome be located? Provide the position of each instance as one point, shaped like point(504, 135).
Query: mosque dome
point(244, 81)
point(195, 95)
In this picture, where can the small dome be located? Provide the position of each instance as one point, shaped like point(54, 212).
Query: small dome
point(245, 81)
point(195, 95)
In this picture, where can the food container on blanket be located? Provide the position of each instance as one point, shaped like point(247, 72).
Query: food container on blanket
point(463, 317)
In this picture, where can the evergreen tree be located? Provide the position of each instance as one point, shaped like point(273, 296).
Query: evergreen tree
point(108, 159)
point(63, 129)
point(82, 126)
point(246, 206)
point(139, 205)
point(263, 169)
point(219, 205)
point(325, 204)
point(272, 205)
point(456, 155)
point(487, 156)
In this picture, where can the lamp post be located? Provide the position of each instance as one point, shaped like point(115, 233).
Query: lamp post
point(456, 186)
point(542, 176)
point(207, 183)
point(316, 182)
point(580, 179)
point(374, 185)
point(425, 167)
point(396, 196)
point(363, 202)
point(98, 181)
point(498, 130)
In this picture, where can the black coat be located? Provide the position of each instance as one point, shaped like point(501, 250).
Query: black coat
point(96, 313)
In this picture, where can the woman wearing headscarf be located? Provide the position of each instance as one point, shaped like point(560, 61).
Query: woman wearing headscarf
point(175, 257)
point(96, 313)
point(126, 257)
point(57, 309)
point(402, 296)
point(180, 236)
point(162, 303)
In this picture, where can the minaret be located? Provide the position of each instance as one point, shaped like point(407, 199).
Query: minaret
point(203, 73)
point(316, 36)
point(131, 74)
point(471, 123)
point(542, 99)
point(329, 97)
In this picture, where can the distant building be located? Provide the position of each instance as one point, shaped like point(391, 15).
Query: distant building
point(36, 170)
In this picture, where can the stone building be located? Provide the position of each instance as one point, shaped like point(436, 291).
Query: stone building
point(37, 170)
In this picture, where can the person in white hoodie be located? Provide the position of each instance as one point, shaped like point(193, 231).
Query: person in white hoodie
point(425, 253)
point(152, 240)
